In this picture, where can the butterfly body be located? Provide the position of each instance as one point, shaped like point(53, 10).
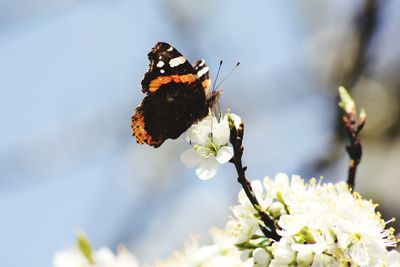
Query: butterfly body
point(177, 95)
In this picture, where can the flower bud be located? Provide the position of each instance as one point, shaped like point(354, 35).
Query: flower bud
point(277, 209)
point(363, 116)
point(261, 257)
point(234, 121)
point(346, 102)
point(305, 257)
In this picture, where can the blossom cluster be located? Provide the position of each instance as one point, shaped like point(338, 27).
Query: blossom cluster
point(320, 224)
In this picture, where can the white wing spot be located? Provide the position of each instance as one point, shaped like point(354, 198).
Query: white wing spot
point(177, 61)
point(201, 63)
point(160, 57)
point(162, 71)
point(202, 71)
point(160, 64)
point(170, 49)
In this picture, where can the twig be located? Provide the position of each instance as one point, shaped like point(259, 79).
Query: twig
point(353, 126)
point(236, 138)
point(354, 149)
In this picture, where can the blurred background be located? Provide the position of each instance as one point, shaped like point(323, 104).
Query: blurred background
point(70, 73)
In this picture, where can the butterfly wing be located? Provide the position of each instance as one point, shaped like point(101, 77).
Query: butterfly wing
point(203, 73)
point(175, 97)
point(166, 64)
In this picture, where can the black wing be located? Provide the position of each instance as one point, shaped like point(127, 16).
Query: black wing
point(165, 61)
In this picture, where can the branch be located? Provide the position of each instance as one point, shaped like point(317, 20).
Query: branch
point(354, 149)
point(236, 138)
point(353, 126)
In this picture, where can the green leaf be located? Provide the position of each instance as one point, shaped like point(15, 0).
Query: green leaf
point(84, 246)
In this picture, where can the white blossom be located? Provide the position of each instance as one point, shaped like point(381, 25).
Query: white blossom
point(320, 224)
point(261, 257)
point(283, 253)
point(393, 259)
point(245, 225)
point(104, 257)
point(305, 255)
point(210, 140)
point(222, 252)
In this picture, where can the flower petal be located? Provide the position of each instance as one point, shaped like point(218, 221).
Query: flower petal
point(393, 259)
point(207, 169)
point(191, 158)
point(224, 154)
point(200, 133)
point(220, 131)
point(261, 257)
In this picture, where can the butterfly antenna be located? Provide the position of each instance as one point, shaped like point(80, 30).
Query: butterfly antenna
point(227, 75)
point(216, 77)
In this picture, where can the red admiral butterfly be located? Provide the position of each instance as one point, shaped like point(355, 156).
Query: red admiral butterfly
point(177, 95)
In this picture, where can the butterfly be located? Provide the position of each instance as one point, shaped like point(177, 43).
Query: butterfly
point(177, 95)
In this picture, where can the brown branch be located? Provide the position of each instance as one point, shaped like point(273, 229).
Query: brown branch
point(236, 138)
point(354, 149)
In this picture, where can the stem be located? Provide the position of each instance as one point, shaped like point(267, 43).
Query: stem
point(354, 149)
point(351, 176)
point(236, 139)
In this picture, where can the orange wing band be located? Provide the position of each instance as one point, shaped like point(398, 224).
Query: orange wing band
point(140, 133)
point(157, 82)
